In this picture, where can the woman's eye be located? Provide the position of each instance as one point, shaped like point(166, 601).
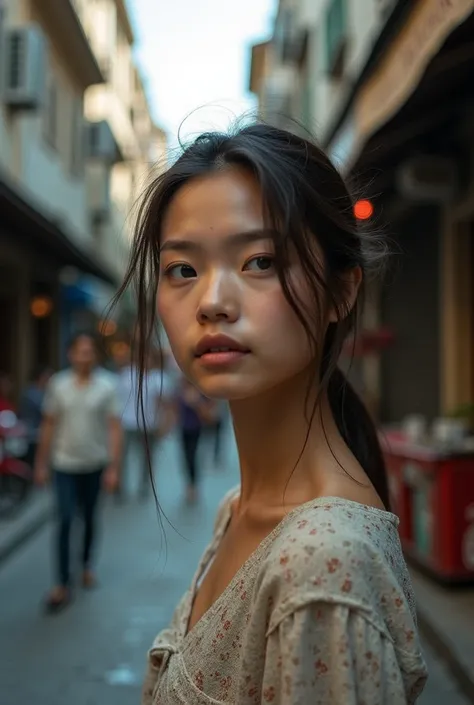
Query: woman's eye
point(180, 271)
point(262, 263)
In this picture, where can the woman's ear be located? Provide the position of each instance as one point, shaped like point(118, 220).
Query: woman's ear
point(350, 280)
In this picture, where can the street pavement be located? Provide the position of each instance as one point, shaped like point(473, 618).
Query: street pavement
point(94, 653)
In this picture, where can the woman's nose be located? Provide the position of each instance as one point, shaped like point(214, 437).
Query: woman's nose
point(219, 300)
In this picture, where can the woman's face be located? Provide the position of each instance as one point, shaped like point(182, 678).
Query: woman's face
point(217, 278)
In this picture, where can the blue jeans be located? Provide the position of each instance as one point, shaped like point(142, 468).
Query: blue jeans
point(75, 491)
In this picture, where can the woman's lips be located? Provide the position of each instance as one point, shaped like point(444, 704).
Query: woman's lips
point(221, 358)
point(219, 350)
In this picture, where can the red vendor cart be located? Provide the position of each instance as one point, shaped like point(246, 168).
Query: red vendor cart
point(432, 491)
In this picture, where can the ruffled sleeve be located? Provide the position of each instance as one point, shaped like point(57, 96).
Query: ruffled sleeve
point(330, 653)
point(163, 646)
point(167, 641)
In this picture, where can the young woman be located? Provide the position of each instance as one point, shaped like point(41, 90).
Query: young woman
point(303, 596)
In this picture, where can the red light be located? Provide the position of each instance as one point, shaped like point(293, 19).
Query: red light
point(363, 210)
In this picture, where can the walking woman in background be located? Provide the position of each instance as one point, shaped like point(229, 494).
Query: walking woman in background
point(145, 426)
point(195, 411)
point(303, 595)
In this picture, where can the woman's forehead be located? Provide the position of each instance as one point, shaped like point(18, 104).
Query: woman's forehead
point(219, 203)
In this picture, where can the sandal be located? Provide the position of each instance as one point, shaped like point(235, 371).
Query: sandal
point(89, 581)
point(57, 601)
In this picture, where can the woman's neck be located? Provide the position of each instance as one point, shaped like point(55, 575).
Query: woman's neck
point(273, 440)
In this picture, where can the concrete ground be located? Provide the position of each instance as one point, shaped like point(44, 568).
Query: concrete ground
point(94, 653)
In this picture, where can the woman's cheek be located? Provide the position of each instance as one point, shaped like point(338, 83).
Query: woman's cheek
point(273, 313)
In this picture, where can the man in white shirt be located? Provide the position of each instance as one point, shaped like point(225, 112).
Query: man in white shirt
point(156, 417)
point(80, 439)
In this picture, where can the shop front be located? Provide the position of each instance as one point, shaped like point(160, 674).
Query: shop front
point(33, 253)
point(412, 118)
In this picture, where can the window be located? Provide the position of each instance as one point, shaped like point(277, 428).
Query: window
point(336, 34)
point(51, 114)
point(77, 138)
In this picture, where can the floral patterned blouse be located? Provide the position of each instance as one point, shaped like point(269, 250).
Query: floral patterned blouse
point(322, 612)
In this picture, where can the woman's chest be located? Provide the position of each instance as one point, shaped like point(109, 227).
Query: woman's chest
point(221, 660)
point(236, 557)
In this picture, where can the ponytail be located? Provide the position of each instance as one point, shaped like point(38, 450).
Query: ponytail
point(359, 432)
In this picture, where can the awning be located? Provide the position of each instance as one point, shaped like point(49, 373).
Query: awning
point(42, 235)
point(63, 19)
point(403, 65)
point(431, 114)
point(422, 46)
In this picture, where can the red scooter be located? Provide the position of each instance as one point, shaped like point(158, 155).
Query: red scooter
point(16, 476)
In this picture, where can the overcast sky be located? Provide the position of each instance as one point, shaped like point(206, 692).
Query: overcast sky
point(195, 57)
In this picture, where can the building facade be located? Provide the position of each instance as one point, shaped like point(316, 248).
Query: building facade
point(391, 99)
point(70, 150)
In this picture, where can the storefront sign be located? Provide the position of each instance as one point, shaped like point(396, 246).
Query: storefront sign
point(402, 67)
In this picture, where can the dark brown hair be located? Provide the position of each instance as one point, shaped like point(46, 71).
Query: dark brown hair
point(308, 208)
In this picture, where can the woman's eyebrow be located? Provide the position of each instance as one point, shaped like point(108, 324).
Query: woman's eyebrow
point(182, 245)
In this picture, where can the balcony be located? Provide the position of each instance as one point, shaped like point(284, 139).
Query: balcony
point(61, 21)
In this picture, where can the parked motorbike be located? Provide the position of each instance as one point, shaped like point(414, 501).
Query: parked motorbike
point(16, 475)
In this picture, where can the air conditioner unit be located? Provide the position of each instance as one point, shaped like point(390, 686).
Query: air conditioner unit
point(428, 178)
point(100, 143)
point(24, 70)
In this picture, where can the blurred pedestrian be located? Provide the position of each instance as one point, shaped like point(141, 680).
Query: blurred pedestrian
point(80, 438)
point(144, 425)
point(215, 431)
point(31, 408)
point(195, 414)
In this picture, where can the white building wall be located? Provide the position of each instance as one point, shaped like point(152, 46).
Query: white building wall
point(123, 104)
point(46, 172)
point(364, 22)
point(59, 195)
point(363, 28)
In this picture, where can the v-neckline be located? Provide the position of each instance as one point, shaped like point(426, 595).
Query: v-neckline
point(255, 555)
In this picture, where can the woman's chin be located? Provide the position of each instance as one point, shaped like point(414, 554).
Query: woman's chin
point(231, 387)
point(224, 388)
